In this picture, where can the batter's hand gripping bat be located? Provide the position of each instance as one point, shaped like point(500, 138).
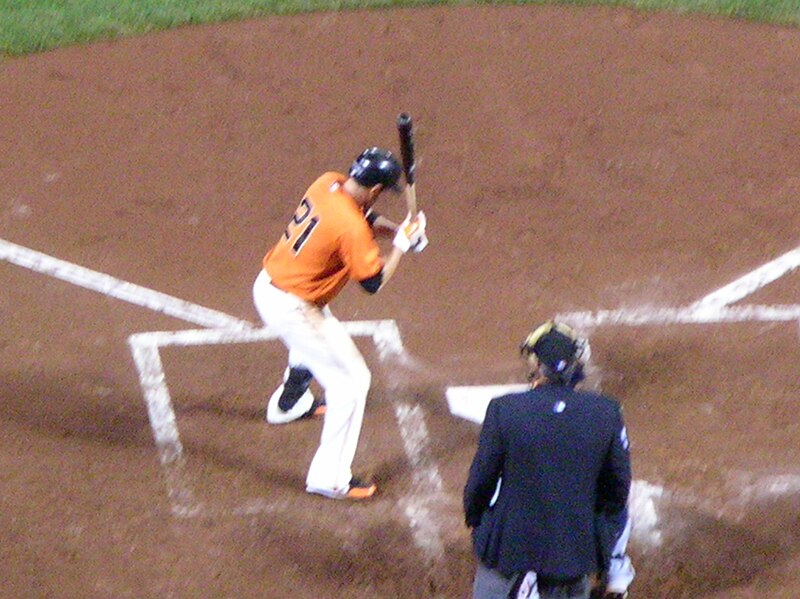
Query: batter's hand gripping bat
point(405, 129)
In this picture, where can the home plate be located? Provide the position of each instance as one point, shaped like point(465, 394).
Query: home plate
point(470, 403)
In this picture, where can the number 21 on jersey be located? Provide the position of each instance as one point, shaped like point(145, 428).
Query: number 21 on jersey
point(301, 226)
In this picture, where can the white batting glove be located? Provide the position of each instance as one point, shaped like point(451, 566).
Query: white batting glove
point(411, 233)
point(422, 242)
point(420, 245)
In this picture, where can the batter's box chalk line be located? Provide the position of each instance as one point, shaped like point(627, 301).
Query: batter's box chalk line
point(220, 328)
point(145, 348)
point(420, 504)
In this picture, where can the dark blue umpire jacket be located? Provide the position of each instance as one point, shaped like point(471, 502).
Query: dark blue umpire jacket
point(558, 455)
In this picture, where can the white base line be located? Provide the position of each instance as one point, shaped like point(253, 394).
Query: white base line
point(753, 281)
point(694, 314)
point(118, 289)
point(156, 394)
point(713, 308)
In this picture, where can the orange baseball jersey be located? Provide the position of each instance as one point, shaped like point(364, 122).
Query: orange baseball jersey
point(327, 242)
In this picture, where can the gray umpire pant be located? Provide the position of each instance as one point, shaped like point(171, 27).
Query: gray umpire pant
point(491, 584)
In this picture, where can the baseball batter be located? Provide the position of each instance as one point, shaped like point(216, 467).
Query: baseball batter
point(329, 241)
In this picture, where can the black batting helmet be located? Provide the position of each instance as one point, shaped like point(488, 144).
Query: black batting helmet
point(375, 166)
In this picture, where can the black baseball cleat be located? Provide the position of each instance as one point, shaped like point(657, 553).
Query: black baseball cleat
point(293, 399)
point(294, 387)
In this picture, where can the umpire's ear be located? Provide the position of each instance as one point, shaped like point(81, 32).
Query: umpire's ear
point(534, 366)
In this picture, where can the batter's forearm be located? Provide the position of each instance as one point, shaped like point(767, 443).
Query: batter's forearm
point(391, 264)
point(381, 226)
point(384, 225)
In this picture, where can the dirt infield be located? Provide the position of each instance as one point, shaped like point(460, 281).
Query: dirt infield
point(570, 161)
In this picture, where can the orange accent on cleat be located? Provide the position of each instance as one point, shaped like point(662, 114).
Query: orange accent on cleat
point(357, 490)
point(361, 490)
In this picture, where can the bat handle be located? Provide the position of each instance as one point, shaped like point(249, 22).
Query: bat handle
point(411, 199)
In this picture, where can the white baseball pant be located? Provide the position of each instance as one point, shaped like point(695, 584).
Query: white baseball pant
point(317, 340)
point(621, 571)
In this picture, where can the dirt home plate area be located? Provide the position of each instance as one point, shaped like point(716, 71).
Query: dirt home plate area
point(637, 174)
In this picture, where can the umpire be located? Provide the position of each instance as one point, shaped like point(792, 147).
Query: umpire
point(548, 459)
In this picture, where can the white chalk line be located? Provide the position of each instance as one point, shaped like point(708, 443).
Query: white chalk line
point(470, 402)
point(694, 314)
point(419, 504)
point(753, 281)
point(145, 348)
point(147, 358)
point(384, 333)
point(713, 308)
point(767, 487)
point(644, 516)
point(118, 289)
point(422, 505)
point(145, 351)
point(222, 329)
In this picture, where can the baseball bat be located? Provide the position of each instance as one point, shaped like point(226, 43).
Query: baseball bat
point(405, 128)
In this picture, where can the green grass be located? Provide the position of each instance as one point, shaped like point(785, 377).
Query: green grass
point(28, 26)
point(782, 12)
